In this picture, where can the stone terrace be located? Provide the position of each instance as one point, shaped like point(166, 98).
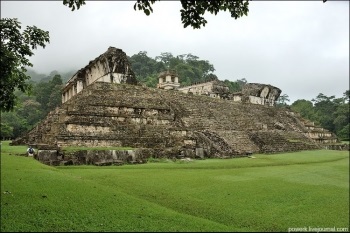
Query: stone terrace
point(105, 114)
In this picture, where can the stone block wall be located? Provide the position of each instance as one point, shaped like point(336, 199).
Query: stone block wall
point(111, 157)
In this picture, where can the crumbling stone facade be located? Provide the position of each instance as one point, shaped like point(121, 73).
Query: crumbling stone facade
point(262, 94)
point(214, 88)
point(254, 93)
point(111, 67)
point(169, 80)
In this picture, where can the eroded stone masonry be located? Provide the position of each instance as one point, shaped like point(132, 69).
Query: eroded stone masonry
point(104, 106)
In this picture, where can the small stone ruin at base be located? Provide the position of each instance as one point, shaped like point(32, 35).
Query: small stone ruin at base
point(103, 106)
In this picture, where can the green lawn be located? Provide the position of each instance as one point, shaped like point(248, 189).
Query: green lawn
point(265, 193)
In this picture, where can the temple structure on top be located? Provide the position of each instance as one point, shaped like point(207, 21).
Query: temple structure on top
point(111, 67)
point(168, 80)
point(254, 93)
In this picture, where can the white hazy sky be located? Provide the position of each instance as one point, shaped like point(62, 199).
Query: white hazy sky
point(301, 47)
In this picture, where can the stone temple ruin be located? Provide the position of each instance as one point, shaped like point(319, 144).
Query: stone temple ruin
point(254, 93)
point(111, 67)
point(103, 106)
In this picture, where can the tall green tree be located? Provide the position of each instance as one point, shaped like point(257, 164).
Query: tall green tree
point(55, 85)
point(241, 82)
point(189, 67)
point(282, 100)
point(233, 86)
point(192, 11)
point(324, 107)
point(6, 131)
point(16, 46)
point(31, 111)
point(165, 58)
point(48, 94)
point(144, 67)
point(305, 108)
point(342, 117)
point(346, 96)
point(328, 112)
point(15, 123)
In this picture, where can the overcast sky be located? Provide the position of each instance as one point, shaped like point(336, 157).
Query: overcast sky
point(301, 47)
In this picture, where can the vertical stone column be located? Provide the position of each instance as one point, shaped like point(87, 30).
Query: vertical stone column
point(70, 93)
point(63, 97)
point(79, 86)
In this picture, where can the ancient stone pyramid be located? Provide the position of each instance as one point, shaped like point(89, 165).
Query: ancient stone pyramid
point(122, 114)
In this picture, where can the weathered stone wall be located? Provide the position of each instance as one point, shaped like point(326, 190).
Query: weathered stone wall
point(338, 147)
point(261, 90)
point(106, 114)
point(94, 157)
point(111, 67)
point(261, 94)
point(214, 88)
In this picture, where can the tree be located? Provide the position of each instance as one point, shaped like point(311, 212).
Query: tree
point(341, 117)
point(233, 86)
point(190, 68)
point(55, 98)
point(305, 108)
point(30, 110)
point(48, 94)
point(344, 134)
point(144, 66)
point(15, 124)
point(241, 82)
point(192, 11)
point(329, 112)
point(282, 100)
point(165, 58)
point(324, 108)
point(346, 96)
point(15, 47)
point(6, 131)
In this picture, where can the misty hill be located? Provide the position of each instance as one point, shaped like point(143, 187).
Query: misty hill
point(40, 77)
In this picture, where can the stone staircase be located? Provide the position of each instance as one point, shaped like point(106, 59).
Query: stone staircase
point(279, 141)
point(239, 141)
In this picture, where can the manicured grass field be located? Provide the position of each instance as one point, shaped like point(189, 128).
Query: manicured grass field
point(265, 193)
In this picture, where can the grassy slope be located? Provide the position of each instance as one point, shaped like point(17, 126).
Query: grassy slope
point(268, 193)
